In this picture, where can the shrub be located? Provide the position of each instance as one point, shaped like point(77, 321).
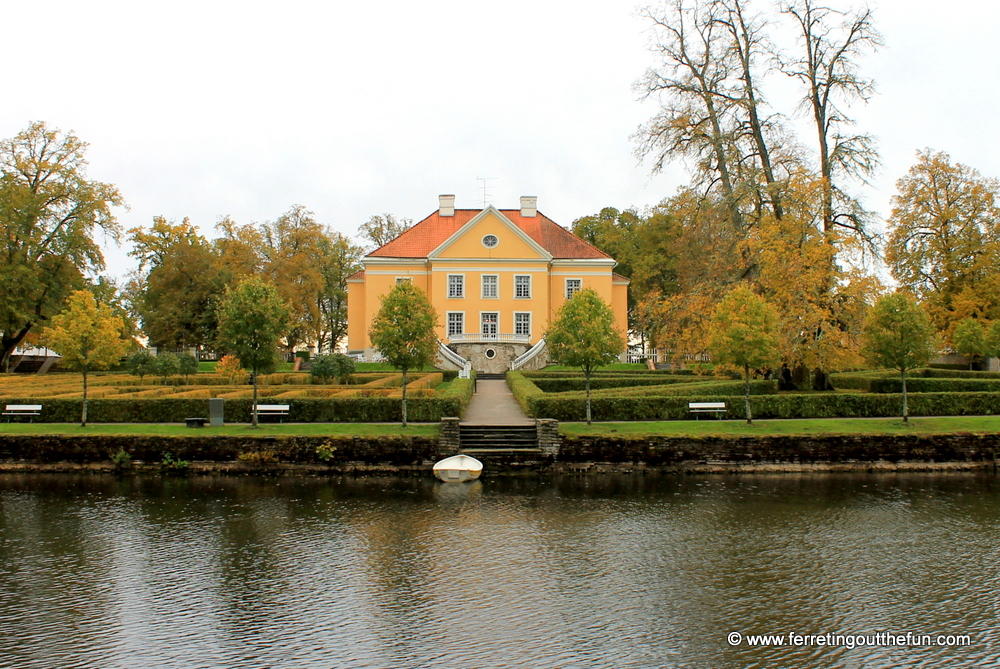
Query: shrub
point(165, 365)
point(140, 364)
point(187, 365)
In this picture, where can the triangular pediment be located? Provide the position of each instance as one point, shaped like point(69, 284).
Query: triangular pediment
point(512, 242)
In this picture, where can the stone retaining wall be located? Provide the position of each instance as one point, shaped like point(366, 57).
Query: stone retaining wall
point(396, 455)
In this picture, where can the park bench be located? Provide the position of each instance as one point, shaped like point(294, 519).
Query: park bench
point(707, 407)
point(195, 422)
point(29, 410)
point(272, 410)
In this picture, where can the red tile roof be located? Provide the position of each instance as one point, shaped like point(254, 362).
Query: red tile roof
point(360, 274)
point(430, 233)
point(615, 276)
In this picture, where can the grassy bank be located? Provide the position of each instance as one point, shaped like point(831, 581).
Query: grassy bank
point(232, 430)
point(806, 427)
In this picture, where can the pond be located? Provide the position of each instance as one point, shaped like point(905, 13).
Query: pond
point(613, 571)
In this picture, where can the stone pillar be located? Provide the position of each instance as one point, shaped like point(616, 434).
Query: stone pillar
point(449, 442)
point(549, 439)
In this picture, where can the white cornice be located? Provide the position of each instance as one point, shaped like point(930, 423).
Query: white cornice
point(490, 209)
point(369, 260)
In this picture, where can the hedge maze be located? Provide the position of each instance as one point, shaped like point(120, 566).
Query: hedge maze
point(664, 395)
point(121, 398)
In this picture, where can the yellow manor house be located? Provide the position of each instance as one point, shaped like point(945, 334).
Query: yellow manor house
point(496, 277)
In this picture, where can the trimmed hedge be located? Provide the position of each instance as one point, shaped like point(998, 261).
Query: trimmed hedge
point(924, 385)
point(574, 383)
point(301, 410)
point(834, 405)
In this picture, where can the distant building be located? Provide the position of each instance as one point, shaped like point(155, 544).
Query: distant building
point(495, 276)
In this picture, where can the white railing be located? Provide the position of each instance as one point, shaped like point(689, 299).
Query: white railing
point(450, 355)
point(476, 337)
point(527, 356)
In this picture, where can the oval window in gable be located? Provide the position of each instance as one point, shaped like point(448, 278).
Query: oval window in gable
point(490, 241)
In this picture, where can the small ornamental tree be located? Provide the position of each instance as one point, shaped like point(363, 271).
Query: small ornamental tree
point(744, 332)
point(140, 364)
point(403, 331)
point(187, 365)
point(252, 320)
point(165, 365)
point(969, 338)
point(87, 336)
point(898, 335)
point(584, 335)
point(230, 367)
point(335, 365)
point(991, 346)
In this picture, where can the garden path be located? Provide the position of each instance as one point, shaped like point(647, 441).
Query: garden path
point(494, 404)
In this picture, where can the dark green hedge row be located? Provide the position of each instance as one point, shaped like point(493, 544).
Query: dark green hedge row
point(691, 389)
point(922, 385)
point(301, 410)
point(565, 374)
point(834, 405)
point(569, 384)
point(954, 374)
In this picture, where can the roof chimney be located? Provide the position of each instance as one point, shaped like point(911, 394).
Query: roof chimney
point(446, 204)
point(529, 206)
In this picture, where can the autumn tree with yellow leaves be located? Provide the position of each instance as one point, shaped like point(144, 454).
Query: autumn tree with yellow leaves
point(88, 336)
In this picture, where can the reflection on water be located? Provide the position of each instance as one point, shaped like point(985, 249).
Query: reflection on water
point(576, 572)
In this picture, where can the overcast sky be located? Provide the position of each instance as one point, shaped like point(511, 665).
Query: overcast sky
point(209, 108)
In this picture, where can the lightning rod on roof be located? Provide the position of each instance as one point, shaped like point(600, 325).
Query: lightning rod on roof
point(485, 185)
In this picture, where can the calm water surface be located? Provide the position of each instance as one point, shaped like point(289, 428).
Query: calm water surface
point(579, 572)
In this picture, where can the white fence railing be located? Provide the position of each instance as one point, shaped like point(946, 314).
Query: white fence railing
point(465, 366)
point(477, 337)
point(527, 356)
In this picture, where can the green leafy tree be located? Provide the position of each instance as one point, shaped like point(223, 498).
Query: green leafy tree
point(336, 365)
point(583, 335)
point(744, 332)
point(187, 365)
point(380, 230)
point(898, 335)
point(50, 213)
point(166, 365)
point(252, 320)
point(969, 338)
point(992, 340)
point(140, 364)
point(403, 331)
point(87, 336)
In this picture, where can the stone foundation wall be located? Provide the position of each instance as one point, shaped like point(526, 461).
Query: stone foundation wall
point(503, 354)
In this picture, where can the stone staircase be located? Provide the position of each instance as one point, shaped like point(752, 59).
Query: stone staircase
point(498, 439)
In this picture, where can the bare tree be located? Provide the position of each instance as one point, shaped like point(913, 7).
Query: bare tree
point(830, 42)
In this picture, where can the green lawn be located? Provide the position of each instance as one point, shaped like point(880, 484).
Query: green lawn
point(818, 426)
point(386, 367)
point(243, 430)
point(613, 367)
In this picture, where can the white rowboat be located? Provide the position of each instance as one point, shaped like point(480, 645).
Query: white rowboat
point(458, 469)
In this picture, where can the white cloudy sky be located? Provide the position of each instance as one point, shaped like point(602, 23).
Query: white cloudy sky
point(204, 108)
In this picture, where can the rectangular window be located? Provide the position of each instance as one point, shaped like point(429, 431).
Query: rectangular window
point(491, 323)
point(572, 286)
point(456, 323)
point(522, 286)
point(404, 279)
point(456, 285)
point(491, 284)
point(522, 323)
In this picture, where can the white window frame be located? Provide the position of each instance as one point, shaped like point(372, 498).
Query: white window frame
point(461, 287)
point(566, 287)
point(447, 325)
point(522, 276)
point(522, 313)
point(496, 287)
point(482, 322)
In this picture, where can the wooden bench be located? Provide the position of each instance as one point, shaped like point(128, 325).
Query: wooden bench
point(195, 422)
point(707, 407)
point(29, 410)
point(272, 410)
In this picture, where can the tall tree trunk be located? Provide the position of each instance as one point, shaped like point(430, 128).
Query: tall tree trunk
point(404, 397)
point(253, 416)
point(83, 416)
point(586, 375)
point(906, 413)
point(746, 392)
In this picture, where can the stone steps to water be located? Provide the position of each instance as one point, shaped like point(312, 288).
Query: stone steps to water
point(498, 436)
